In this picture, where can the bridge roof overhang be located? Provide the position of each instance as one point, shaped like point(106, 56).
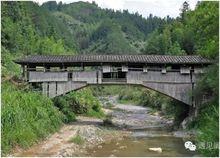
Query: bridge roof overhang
point(97, 60)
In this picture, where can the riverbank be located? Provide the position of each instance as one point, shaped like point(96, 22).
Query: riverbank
point(60, 144)
point(130, 125)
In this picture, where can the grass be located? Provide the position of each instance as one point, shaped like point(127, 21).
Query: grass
point(96, 114)
point(26, 117)
point(208, 130)
point(77, 140)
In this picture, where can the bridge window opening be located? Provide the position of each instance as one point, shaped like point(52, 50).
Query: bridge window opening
point(185, 70)
point(164, 70)
point(135, 68)
point(156, 68)
point(169, 68)
point(48, 88)
point(31, 68)
point(90, 68)
point(74, 69)
point(47, 68)
point(85, 68)
point(175, 67)
point(114, 77)
point(70, 75)
point(40, 68)
point(56, 88)
point(57, 69)
point(36, 86)
point(116, 74)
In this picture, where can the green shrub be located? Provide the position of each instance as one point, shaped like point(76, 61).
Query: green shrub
point(77, 140)
point(80, 102)
point(207, 125)
point(8, 66)
point(130, 94)
point(207, 122)
point(26, 117)
point(107, 90)
point(65, 108)
point(108, 120)
point(208, 129)
point(179, 110)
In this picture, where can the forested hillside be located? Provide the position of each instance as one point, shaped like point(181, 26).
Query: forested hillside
point(103, 30)
point(85, 28)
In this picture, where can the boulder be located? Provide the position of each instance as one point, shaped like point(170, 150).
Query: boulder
point(159, 150)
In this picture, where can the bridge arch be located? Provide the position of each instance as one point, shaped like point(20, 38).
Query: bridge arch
point(79, 87)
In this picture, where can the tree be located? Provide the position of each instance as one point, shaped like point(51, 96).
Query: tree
point(50, 5)
point(59, 6)
point(175, 49)
point(184, 9)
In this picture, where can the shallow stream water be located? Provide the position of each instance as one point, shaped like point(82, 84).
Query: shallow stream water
point(139, 147)
point(148, 131)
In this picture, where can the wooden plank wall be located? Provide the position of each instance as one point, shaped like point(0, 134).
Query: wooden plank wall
point(89, 77)
point(35, 76)
point(137, 77)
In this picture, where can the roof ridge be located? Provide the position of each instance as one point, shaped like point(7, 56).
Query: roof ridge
point(138, 58)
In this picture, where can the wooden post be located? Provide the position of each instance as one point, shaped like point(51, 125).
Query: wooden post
point(47, 68)
point(24, 72)
point(30, 68)
point(82, 67)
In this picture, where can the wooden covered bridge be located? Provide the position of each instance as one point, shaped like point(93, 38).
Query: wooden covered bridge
point(174, 76)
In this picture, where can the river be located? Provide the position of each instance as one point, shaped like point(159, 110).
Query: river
point(135, 131)
point(147, 131)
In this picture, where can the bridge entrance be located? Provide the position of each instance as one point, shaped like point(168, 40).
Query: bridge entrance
point(174, 76)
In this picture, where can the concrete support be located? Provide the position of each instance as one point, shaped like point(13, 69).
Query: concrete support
point(99, 77)
point(179, 92)
point(44, 88)
point(53, 89)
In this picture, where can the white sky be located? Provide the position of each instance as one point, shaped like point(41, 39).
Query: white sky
point(159, 8)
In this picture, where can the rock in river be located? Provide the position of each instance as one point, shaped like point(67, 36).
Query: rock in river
point(159, 150)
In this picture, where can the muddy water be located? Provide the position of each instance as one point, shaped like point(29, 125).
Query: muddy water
point(139, 147)
point(148, 131)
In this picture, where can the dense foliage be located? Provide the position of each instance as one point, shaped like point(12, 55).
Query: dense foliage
point(195, 32)
point(82, 102)
point(105, 31)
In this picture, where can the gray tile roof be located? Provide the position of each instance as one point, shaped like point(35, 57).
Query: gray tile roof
point(155, 59)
